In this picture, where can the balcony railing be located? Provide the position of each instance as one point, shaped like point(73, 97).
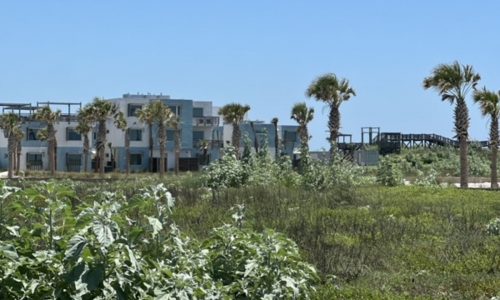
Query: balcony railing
point(205, 121)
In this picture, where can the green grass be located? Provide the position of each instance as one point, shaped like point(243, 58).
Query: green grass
point(367, 243)
point(378, 242)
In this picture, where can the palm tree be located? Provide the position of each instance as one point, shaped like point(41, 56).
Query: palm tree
point(100, 111)
point(234, 113)
point(274, 121)
point(490, 106)
point(84, 128)
point(453, 82)
point(159, 113)
point(51, 118)
point(303, 115)
point(19, 134)
point(145, 116)
point(10, 124)
point(175, 123)
point(333, 91)
point(203, 148)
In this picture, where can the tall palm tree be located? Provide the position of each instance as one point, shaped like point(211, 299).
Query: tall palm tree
point(84, 128)
point(100, 111)
point(51, 118)
point(234, 113)
point(490, 106)
point(303, 115)
point(274, 121)
point(175, 123)
point(145, 116)
point(333, 91)
point(10, 124)
point(160, 114)
point(453, 82)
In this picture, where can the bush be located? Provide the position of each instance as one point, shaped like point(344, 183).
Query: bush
point(390, 171)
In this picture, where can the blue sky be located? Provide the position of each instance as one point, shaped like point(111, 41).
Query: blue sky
point(261, 53)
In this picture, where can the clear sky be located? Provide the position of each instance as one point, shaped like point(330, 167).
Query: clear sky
point(261, 53)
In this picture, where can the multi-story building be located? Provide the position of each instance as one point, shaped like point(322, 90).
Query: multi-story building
point(202, 136)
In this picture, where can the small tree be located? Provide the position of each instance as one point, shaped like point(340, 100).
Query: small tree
point(274, 121)
point(490, 106)
point(51, 118)
point(233, 114)
point(10, 124)
point(333, 91)
point(157, 112)
point(453, 82)
point(83, 128)
point(100, 111)
point(303, 115)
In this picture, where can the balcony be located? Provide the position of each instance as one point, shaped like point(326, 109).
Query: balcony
point(206, 121)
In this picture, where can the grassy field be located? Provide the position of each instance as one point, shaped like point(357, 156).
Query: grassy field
point(373, 242)
point(369, 242)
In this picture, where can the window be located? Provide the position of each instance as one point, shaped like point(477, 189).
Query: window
point(290, 136)
point(31, 134)
point(198, 136)
point(34, 161)
point(135, 134)
point(72, 135)
point(197, 112)
point(73, 162)
point(175, 109)
point(170, 135)
point(132, 109)
point(135, 159)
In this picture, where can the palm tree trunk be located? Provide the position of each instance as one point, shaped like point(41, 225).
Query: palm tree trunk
point(276, 142)
point(150, 132)
point(334, 126)
point(127, 153)
point(11, 149)
point(162, 137)
point(255, 140)
point(18, 157)
point(461, 128)
point(51, 149)
point(101, 144)
point(236, 139)
point(86, 149)
point(494, 151)
point(177, 138)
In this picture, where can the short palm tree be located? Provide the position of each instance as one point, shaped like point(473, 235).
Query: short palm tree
point(274, 121)
point(175, 123)
point(160, 114)
point(84, 128)
point(100, 111)
point(145, 116)
point(333, 91)
point(10, 124)
point(19, 135)
point(453, 82)
point(303, 115)
point(51, 118)
point(234, 113)
point(490, 106)
point(203, 146)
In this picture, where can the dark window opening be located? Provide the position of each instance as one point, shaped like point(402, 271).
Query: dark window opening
point(132, 109)
point(72, 135)
point(135, 134)
point(136, 159)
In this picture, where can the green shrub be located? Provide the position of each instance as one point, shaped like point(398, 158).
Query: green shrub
point(390, 171)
